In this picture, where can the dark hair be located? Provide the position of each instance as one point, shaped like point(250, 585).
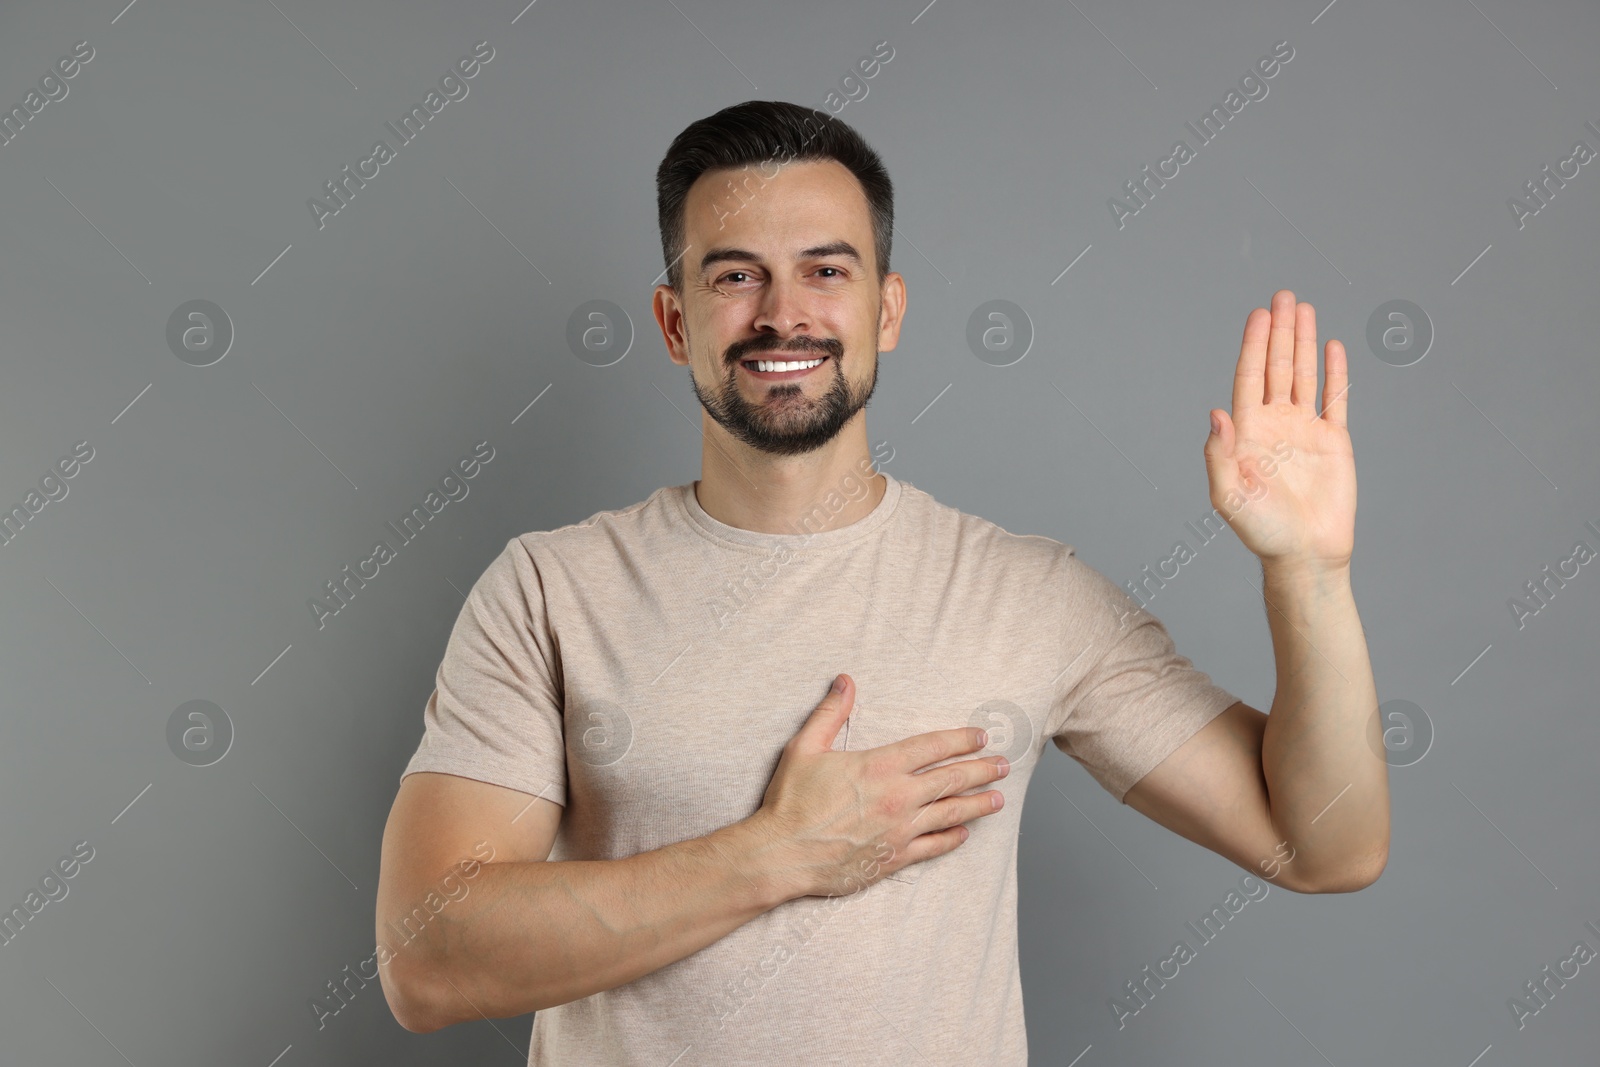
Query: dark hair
point(770, 133)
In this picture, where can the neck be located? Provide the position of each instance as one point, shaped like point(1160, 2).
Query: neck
point(757, 491)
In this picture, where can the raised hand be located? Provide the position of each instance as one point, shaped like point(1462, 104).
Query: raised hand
point(1281, 469)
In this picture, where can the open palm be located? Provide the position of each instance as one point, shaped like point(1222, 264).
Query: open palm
point(1282, 472)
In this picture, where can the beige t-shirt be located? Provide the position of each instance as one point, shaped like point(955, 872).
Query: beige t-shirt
point(645, 668)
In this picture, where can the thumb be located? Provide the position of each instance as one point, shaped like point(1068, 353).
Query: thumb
point(822, 728)
point(1222, 470)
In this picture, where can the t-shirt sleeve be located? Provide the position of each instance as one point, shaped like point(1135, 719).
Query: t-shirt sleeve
point(495, 714)
point(1129, 700)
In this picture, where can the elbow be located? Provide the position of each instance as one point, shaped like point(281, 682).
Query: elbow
point(411, 1001)
point(415, 1020)
point(423, 998)
point(1350, 878)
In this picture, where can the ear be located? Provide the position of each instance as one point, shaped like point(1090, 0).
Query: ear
point(668, 311)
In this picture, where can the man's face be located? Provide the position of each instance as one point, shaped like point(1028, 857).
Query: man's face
point(769, 275)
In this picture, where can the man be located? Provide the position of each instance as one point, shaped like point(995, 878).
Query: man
point(702, 853)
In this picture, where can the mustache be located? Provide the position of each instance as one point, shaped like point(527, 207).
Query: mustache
point(747, 349)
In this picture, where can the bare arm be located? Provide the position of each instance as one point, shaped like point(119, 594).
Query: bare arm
point(530, 934)
point(1312, 777)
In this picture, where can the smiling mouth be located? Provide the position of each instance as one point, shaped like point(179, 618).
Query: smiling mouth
point(797, 368)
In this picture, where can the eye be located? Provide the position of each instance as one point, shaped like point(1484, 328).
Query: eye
point(835, 269)
point(731, 273)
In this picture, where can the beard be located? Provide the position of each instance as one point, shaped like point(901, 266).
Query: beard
point(786, 422)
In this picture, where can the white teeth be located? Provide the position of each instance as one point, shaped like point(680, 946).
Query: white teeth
point(775, 365)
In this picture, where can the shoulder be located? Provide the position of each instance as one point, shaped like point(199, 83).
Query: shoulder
point(603, 534)
point(975, 539)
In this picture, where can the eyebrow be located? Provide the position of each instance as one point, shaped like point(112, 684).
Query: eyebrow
point(833, 248)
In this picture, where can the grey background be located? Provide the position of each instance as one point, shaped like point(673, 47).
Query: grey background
point(432, 311)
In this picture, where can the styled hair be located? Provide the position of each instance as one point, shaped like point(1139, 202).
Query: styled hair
point(765, 134)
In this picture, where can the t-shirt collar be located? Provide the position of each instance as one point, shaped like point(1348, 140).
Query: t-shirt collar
point(822, 514)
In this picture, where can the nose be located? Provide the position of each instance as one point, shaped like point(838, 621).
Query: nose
point(783, 308)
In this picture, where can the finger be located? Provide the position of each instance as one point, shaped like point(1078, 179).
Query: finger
point(1304, 393)
point(1249, 375)
point(1336, 386)
point(955, 811)
point(1280, 348)
point(825, 720)
point(949, 784)
point(1222, 470)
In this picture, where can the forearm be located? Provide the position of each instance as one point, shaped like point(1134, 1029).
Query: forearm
point(535, 935)
point(1322, 754)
